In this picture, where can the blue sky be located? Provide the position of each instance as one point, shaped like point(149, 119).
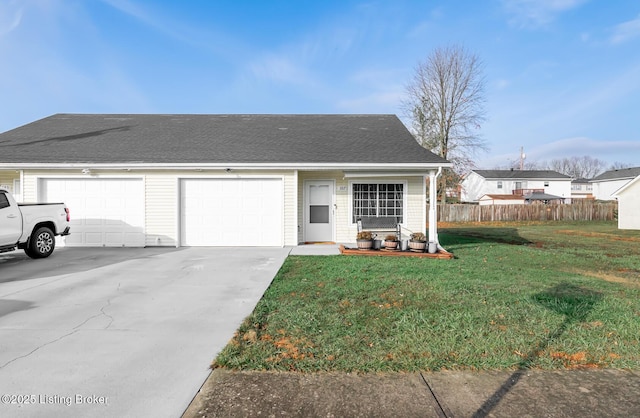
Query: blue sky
point(562, 76)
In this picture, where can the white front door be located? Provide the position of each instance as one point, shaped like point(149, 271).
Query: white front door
point(318, 211)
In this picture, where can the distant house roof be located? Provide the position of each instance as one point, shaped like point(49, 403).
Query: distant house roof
point(580, 181)
point(619, 174)
point(542, 196)
point(502, 197)
point(195, 139)
point(521, 174)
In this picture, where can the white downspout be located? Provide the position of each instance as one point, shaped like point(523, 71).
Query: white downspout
point(433, 206)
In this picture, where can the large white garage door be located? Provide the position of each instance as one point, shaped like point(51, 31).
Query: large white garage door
point(104, 212)
point(231, 212)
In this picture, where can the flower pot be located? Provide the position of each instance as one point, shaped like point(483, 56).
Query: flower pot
point(391, 245)
point(417, 245)
point(365, 244)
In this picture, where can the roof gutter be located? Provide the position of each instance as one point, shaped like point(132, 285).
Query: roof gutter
point(237, 166)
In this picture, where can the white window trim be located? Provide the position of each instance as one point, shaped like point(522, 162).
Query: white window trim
point(370, 180)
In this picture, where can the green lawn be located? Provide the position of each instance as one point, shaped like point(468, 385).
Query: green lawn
point(546, 295)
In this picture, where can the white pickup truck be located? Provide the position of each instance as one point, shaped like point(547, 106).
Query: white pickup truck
point(31, 227)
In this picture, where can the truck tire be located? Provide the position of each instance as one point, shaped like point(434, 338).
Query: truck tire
point(41, 243)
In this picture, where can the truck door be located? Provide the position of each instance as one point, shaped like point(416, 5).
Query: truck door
point(10, 220)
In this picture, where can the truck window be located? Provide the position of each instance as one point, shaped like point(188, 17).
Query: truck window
point(4, 201)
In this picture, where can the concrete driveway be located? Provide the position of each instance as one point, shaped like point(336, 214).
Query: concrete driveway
point(121, 332)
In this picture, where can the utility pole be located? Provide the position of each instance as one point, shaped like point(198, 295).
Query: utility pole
point(522, 157)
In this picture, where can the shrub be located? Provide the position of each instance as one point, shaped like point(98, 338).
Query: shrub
point(367, 235)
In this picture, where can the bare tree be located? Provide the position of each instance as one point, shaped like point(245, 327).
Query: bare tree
point(619, 166)
point(445, 104)
point(517, 165)
point(584, 167)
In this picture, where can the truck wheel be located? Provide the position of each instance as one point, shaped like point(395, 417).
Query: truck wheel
point(41, 244)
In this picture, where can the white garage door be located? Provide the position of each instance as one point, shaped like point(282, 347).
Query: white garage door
point(231, 212)
point(104, 212)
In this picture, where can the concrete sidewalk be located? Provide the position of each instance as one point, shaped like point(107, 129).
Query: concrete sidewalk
point(316, 249)
point(524, 393)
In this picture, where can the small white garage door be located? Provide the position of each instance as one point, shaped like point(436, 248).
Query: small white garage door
point(104, 212)
point(231, 212)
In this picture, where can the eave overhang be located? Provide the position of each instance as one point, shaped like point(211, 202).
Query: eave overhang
point(354, 167)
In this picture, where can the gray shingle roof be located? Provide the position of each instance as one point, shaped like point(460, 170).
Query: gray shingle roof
point(183, 139)
point(521, 174)
point(622, 173)
point(542, 196)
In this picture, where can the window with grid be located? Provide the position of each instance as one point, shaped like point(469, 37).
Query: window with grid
point(379, 200)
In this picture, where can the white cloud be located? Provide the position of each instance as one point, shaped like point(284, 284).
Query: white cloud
point(609, 151)
point(382, 93)
point(10, 17)
point(626, 31)
point(42, 76)
point(585, 146)
point(593, 102)
point(280, 68)
point(379, 102)
point(219, 43)
point(536, 13)
point(377, 78)
point(502, 84)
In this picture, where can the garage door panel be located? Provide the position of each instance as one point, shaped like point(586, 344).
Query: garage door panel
point(104, 212)
point(113, 239)
point(70, 240)
point(231, 212)
point(92, 239)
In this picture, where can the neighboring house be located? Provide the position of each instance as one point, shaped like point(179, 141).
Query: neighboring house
point(478, 183)
point(501, 199)
point(581, 189)
point(519, 199)
point(220, 180)
point(607, 183)
point(629, 205)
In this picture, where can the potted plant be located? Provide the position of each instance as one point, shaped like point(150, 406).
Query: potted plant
point(365, 240)
point(391, 242)
point(418, 242)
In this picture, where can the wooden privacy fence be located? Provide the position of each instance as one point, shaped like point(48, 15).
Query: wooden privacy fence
point(578, 211)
